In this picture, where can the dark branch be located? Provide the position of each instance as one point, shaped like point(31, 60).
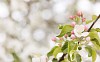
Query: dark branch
point(62, 58)
point(94, 23)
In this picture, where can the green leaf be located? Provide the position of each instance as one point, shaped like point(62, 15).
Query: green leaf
point(95, 39)
point(88, 21)
point(69, 58)
point(89, 50)
point(65, 47)
point(95, 29)
point(56, 51)
point(94, 17)
point(16, 58)
point(78, 58)
point(93, 55)
point(71, 46)
point(72, 54)
point(54, 60)
point(51, 52)
point(65, 29)
point(60, 26)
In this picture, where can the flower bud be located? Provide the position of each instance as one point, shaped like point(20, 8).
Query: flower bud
point(80, 14)
point(83, 19)
point(54, 39)
point(65, 35)
point(72, 32)
point(85, 27)
point(72, 17)
point(73, 36)
point(73, 24)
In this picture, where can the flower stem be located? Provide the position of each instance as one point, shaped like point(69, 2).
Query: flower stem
point(62, 58)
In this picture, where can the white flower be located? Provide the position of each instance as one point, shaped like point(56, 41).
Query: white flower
point(79, 31)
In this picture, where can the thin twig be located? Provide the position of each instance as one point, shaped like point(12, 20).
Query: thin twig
point(62, 58)
point(93, 23)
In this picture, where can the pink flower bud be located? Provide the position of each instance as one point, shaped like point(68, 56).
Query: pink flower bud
point(83, 19)
point(72, 17)
point(72, 32)
point(65, 35)
point(85, 27)
point(73, 36)
point(79, 13)
point(54, 39)
point(73, 24)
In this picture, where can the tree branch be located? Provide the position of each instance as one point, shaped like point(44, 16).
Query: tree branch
point(93, 23)
point(62, 58)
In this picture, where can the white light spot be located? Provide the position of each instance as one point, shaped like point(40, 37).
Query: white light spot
point(2, 37)
point(96, 8)
point(46, 14)
point(4, 11)
point(17, 16)
point(39, 34)
point(84, 5)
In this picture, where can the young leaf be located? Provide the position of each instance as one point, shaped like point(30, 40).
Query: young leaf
point(54, 60)
point(78, 58)
point(71, 46)
point(51, 52)
point(94, 17)
point(69, 58)
point(95, 39)
point(93, 55)
point(56, 51)
point(65, 47)
point(88, 21)
point(60, 26)
point(89, 50)
point(65, 29)
point(16, 58)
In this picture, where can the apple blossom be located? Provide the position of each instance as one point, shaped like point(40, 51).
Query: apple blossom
point(79, 31)
point(85, 27)
point(88, 39)
point(73, 24)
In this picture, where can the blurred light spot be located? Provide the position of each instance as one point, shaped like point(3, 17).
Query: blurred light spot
point(59, 7)
point(84, 5)
point(39, 34)
point(4, 11)
point(47, 14)
point(2, 37)
point(96, 8)
point(17, 16)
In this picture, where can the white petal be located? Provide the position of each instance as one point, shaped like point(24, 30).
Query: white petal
point(79, 28)
point(59, 55)
point(85, 34)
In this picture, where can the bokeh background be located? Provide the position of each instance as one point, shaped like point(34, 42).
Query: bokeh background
point(27, 26)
